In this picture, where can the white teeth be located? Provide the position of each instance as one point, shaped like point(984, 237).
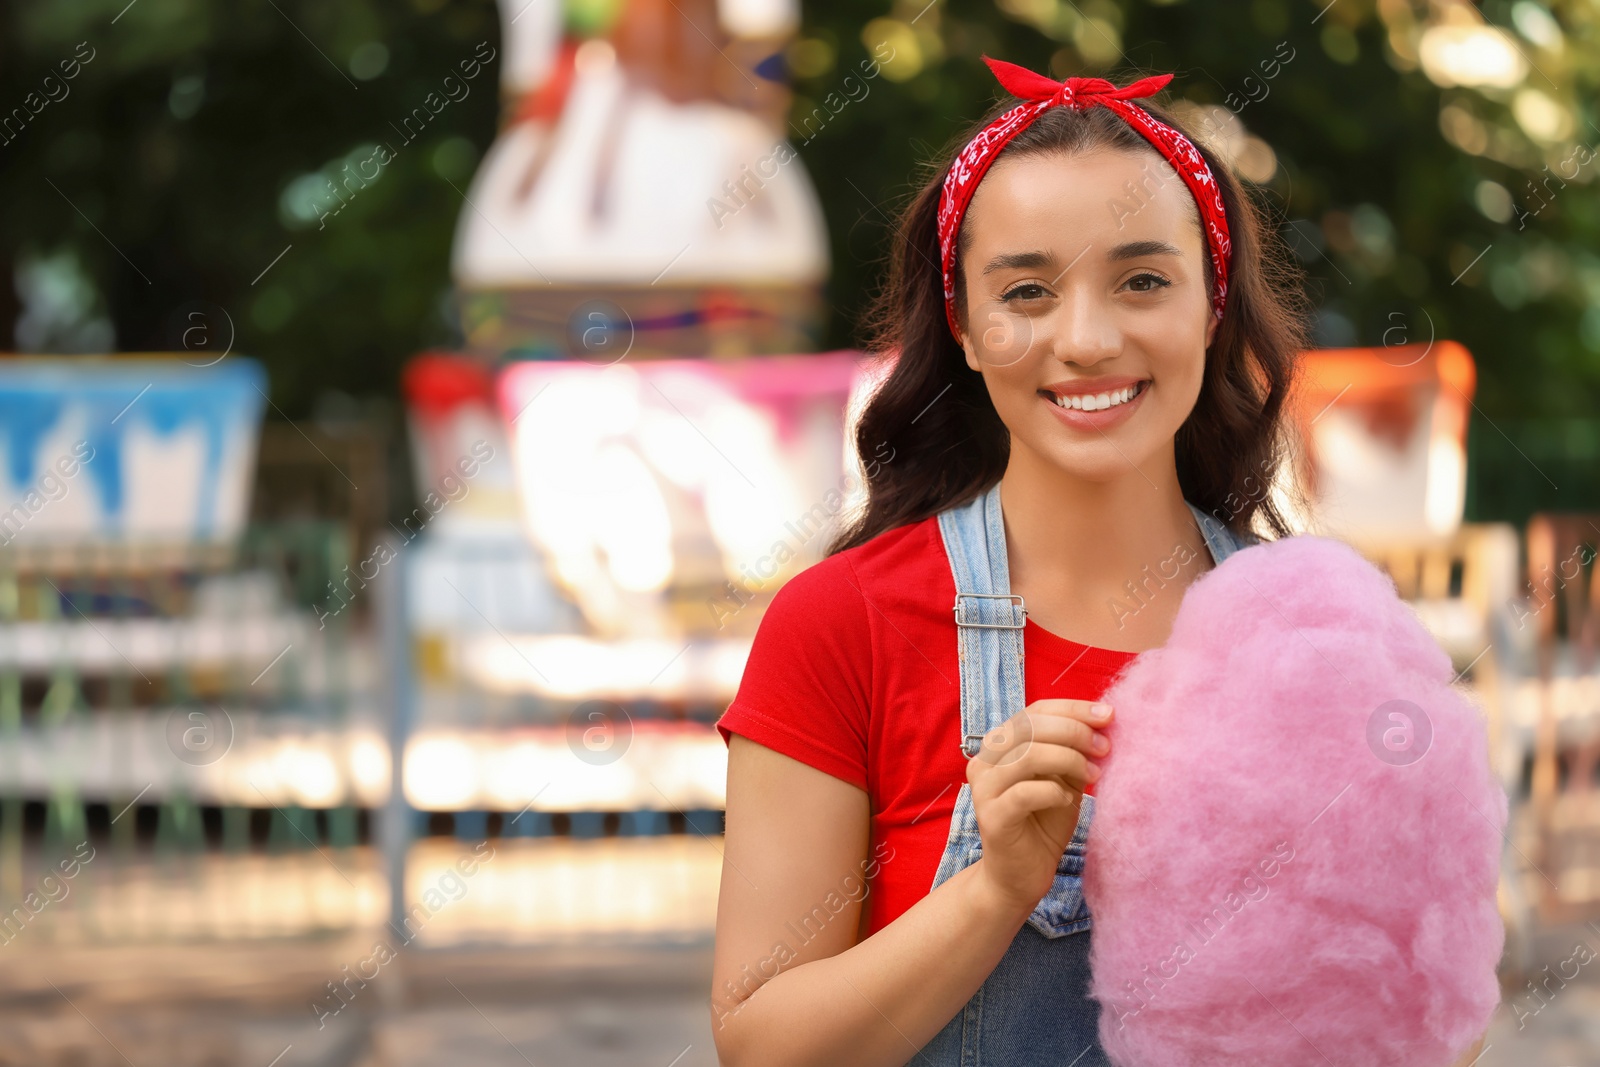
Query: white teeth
point(1098, 401)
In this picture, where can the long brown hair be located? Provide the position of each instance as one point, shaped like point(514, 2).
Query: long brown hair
point(933, 414)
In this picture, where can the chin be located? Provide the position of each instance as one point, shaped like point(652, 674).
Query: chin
point(1099, 461)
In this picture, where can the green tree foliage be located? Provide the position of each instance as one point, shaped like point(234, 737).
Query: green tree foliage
point(204, 138)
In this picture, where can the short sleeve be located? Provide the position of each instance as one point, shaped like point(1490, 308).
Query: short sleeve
point(806, 686)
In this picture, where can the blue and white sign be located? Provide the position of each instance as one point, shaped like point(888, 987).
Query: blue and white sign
point(128, 450)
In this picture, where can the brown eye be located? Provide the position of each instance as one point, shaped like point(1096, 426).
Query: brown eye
point(1025, 291)
point(1144, 283)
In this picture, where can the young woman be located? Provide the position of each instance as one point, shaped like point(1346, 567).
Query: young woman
point(1093, 350)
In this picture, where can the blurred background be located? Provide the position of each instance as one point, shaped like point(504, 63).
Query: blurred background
point(414, 404)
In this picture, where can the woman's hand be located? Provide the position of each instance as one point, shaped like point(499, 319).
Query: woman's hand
point(1027, 781)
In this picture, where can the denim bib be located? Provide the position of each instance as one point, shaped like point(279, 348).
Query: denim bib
point(1034, 1007)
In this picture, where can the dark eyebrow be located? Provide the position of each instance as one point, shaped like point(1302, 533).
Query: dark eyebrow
point(1141, 249)
point(1007, 260)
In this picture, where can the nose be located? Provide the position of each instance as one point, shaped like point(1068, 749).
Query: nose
point(1085, 329)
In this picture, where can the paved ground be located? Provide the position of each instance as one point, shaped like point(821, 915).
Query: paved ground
point(163, 972)
point(249, 1006)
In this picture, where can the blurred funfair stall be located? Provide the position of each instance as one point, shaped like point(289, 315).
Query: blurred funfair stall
point(162, 675)
point(658, 443)
point(638, 444)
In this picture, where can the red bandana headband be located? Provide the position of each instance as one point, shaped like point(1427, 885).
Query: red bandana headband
point(1041, 93)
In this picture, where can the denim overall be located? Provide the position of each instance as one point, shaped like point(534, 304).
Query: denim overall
point(1035, 1006)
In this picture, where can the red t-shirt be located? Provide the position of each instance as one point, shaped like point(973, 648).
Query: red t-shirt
point(854, 671)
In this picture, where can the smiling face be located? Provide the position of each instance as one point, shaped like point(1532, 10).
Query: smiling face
point(1085, 280)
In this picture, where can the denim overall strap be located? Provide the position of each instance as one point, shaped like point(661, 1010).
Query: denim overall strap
point(1222, 541)
point(989, 617)
point(989, 627)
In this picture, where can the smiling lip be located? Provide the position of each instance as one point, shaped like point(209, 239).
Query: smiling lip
point(1092, 386)
point(1100, 419)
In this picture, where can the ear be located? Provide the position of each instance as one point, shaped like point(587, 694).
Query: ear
point(972, 355)
point(965, 333)
point(1211, 327)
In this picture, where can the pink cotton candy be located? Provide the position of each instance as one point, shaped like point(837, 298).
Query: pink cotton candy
point(1272, 882)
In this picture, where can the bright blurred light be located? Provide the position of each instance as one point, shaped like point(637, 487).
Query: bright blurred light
point(1221, 130)
point(664, 767)
point(617, 786)
point(1540, 117)
point(369, 769)
point(567, 666)
point(748, 520)
point(309, 773)
point(1493, 200)
point(1537, 25)
point(905, 56)
point(441, 773)
point(1478, 56)
point(629, 520)
point(548, 890)
point(516, 773)
point(1447, 485)
point(650, 489)
point(1463, 129)
point(759, 18)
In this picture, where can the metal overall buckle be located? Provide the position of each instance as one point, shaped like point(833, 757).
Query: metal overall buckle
point(971, 743)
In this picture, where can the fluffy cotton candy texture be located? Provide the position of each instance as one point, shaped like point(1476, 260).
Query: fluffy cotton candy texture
point(1264, 888)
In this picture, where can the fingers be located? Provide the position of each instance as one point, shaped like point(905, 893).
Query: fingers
point(1036, 760)
point(1053, 722)
point(1024, 798)
point(1096, 713)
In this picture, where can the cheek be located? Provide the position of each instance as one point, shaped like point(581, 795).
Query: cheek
point(1179, 358)
point(1180, 373)
point(1174, 349)
point(1012, 388)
